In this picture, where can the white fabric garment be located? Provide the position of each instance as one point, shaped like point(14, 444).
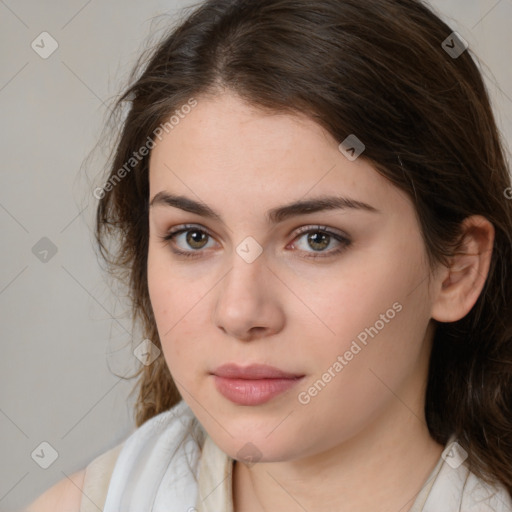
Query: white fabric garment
point(163, 468)
point(157, 467)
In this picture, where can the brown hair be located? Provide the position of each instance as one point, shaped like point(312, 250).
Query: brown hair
point(376, 69)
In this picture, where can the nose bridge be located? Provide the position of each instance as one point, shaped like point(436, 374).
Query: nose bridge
point(248, 265)
point(245, 300)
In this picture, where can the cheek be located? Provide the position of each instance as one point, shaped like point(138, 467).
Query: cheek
point(353, 300)
point(178, 307)
point(164, 302)
point(377, 313)
point(355, 389)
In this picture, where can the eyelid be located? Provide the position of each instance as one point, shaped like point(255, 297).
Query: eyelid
point(317, 227)
point(186, 227)
point(299, 231)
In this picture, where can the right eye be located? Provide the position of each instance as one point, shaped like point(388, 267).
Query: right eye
point(191, 237)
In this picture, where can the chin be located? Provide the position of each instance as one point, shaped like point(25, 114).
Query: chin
point(253, 450)
point(247, 438)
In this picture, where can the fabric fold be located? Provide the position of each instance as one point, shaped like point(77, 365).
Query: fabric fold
point(157, 467)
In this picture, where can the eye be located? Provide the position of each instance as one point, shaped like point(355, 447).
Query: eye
point(194, 237)
point(320, 238)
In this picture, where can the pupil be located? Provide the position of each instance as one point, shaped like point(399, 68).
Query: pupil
point(195, 237)
point(314, 239)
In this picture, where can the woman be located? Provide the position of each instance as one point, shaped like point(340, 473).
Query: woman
point(312, 208)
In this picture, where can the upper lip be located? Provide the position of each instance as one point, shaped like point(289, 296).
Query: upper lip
point(253, 371)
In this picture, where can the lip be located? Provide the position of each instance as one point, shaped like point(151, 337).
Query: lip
point(253, 372)
point(254, 384)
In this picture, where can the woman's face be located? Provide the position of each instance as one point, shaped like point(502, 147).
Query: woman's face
point(337, 297)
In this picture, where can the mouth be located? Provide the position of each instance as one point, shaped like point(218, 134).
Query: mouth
point(254, 384)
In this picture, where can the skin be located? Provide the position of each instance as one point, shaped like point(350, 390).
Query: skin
point(65, 496)
point(366, 428)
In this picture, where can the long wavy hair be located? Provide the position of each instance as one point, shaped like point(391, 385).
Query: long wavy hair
point(379, 69)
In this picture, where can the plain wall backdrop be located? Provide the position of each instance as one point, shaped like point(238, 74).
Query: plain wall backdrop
point(65, 336)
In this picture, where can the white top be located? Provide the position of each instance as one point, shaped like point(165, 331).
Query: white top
point(162, 464)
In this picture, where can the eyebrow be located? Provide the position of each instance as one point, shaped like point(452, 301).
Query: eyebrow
point(275, 215)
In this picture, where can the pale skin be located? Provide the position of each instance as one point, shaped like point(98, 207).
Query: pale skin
point(365, 431)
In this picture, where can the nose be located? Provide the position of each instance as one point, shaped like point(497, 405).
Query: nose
point(247, 306)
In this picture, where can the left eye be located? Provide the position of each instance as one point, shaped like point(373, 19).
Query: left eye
point(318, 239)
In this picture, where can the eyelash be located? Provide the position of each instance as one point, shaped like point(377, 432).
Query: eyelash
point(345, 242)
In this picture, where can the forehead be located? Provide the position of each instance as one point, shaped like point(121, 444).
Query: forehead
point(224, 147)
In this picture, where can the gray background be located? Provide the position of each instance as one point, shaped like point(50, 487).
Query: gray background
point(64, 334)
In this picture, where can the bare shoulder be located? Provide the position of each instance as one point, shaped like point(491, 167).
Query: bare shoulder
point(64, 496)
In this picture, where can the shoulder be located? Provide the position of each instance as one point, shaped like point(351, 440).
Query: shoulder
point(64, 496)
point(92, 481)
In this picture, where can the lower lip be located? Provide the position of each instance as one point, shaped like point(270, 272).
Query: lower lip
point(253, 392)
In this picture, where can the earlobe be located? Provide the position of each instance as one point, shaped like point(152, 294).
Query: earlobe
point(459, 286)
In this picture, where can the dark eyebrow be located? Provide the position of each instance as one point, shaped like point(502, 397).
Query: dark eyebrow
point(274, 215)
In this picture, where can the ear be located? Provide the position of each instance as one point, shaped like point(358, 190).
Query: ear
point(457, 287)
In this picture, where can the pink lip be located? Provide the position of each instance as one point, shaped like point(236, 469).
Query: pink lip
point(253, 372)
point(254, 384)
